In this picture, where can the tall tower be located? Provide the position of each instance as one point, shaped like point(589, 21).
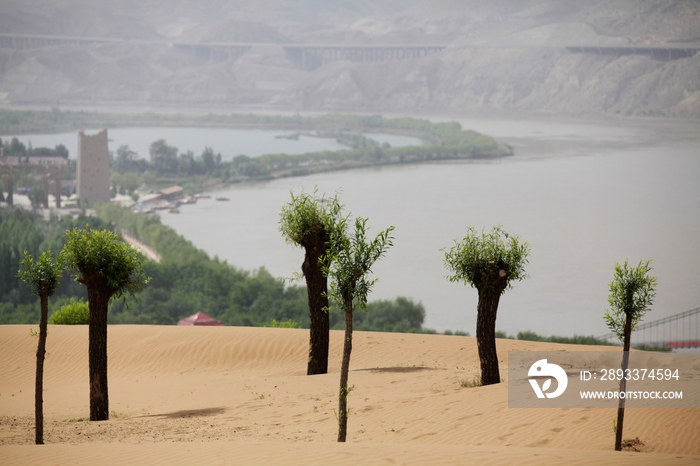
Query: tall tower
point(93, 168)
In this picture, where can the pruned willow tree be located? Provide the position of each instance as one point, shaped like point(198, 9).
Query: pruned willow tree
point(348, 264)
point(109, 269)
point(632, 292)
point(43, 277)
point(308, 222)
point(489, 262)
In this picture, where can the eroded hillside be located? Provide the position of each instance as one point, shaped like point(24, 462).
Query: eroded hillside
point(500, 56)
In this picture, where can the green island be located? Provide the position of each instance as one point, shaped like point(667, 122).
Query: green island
point(443, 141)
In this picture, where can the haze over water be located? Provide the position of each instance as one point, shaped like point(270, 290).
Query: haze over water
point(584, 195)
point(227, 141)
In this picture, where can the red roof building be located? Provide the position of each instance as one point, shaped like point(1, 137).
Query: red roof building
point(200, 318)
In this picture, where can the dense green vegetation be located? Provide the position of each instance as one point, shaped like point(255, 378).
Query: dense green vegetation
point(15, 148)
point(20, 232)
point(76, 312)
point(661, 349)
point(184, 282)
point(575, 340)
point(401, 315)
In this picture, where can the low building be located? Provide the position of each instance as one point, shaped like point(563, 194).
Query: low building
point(172, 193)
point(200, 319)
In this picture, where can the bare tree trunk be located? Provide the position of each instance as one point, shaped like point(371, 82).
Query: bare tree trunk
point(623, 383)
point(486, 336)
point(99, 399)
point(319, 324)
point(344, 370)
point(39, 386)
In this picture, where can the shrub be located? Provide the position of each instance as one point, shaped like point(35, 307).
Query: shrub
point(467, 383)
point(284, 324)
point(73, 313)
point(645, 347)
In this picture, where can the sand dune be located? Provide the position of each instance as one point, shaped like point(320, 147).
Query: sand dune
point(232, 395)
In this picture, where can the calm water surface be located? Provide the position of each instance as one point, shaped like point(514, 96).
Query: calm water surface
point(228, 142)
point(584, 195)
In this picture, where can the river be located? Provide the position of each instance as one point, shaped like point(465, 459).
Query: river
point(227, 141)
point(585, 195)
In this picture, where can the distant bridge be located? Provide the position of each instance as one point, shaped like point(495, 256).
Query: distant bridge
point(662, 53)
point(676, 331)
point(311, 56)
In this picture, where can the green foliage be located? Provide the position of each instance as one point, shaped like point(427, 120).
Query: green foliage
point(43, 275)
point(660, 349)
point(100, 258)
point(11, 313)
point(284, 324)
point(77, 312)
point(575, 340)
point(127, 182)
point(187, 280)
point(163, 156)
point(349, 261)
point(632, 292)
point(18, 234)
point(456, 333)
point(16, 149)
point(249, 167)
point(128, 161)
point(308, 218)
point(152, 232)
point(21, 231)
point(480, 260)
point(400, 315)
point(36, 196)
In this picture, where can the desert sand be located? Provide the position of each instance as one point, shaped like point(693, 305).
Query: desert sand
point(234, 395)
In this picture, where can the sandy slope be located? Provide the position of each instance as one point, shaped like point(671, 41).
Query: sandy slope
point(240, 396)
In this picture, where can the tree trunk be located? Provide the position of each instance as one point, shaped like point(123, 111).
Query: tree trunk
point(319, 324)
point(623, 383)
point(10, 188)
point(344, 370)
point(486, 336)
point(39, 386)
point(99, 399)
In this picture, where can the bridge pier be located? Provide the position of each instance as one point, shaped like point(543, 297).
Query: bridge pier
point(310, 57)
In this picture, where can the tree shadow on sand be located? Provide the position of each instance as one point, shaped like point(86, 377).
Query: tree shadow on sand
point(398, 369)
point(204, 412)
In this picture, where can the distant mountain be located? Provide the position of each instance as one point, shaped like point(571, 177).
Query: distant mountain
point(501, 55)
